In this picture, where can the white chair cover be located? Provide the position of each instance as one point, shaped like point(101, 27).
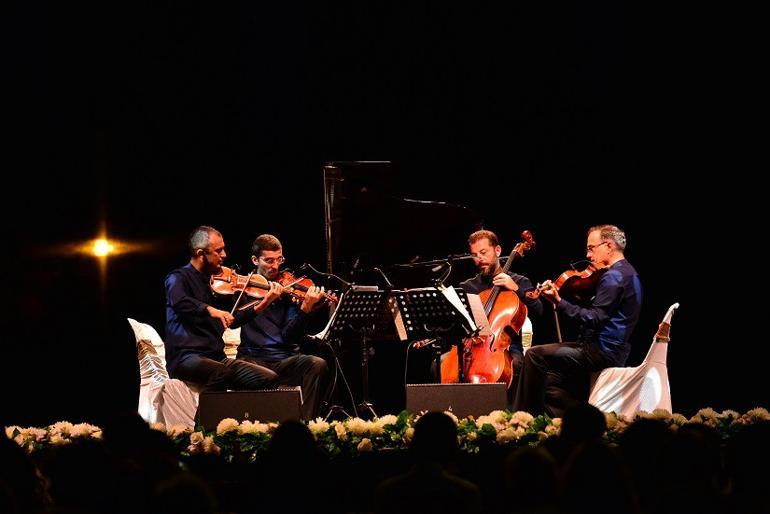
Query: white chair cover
point(161, 399)
point(627, 391)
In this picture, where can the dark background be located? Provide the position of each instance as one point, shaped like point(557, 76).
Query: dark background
point(152, 118)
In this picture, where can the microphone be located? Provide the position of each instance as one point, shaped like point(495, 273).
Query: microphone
point(346, 285)
point(450, 259)
point(459, 257)
point(388, 284)
point(436, 269)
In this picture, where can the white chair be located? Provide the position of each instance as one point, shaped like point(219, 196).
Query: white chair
point(526, 335)
point(627, 391)
point(163, 399)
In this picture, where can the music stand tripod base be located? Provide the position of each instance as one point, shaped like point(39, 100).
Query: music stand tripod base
point(358, 312)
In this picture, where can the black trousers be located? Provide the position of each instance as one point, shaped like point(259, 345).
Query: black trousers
point(556, 376)
point(307, 371)
point(220, 375)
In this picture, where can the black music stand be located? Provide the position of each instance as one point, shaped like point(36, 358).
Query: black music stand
point(427, 314)
point(359, 311)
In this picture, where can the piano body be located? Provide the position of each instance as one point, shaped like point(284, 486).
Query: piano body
point(371, 222)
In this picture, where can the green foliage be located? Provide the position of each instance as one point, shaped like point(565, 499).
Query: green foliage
point(247, 441)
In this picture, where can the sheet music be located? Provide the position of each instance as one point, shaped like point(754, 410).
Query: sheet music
point(451, 295)
point(323, 333)
point(477, 309)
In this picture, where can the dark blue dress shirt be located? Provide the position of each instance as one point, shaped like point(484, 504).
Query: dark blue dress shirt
point(483, 282)
point(275, 333)
point(613, 314)
point(189, 328)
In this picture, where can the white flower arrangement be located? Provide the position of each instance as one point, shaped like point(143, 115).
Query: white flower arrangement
point(227, 425)
point(340, 431)
point(248, 427)
point(365, 445)
point(177, 430)
point(209, 446)
point(384, 421)
point(318, 426)
point(249, 439)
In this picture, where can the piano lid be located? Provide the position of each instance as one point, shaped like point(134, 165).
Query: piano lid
point(371, 222)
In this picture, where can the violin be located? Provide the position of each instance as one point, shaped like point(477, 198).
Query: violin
point(577, 285)
point(256, 286)
point(298, 287)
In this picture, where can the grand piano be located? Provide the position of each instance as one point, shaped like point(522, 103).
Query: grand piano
point(372, 222)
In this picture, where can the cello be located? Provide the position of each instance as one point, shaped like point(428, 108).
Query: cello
point(486, 357)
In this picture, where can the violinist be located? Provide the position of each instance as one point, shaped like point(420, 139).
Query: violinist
point(485, 248)
point(556, 376)
point(273, 339)
point(194, 324)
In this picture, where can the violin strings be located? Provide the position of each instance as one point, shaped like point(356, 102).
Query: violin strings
point(238, 300)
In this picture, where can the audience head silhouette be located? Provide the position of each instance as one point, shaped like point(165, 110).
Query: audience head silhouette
point(531, 478)
point(19, 484)
point(185, 493)
point(291, 442)
point(582, 423)
point(435, 437)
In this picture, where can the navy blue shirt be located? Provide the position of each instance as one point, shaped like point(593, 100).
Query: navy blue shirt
point(189, 328)
point(483, 282)
point(275, 333)
point(613, 313)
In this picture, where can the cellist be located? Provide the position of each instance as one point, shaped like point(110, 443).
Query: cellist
point(556, 376)
point(485, 248)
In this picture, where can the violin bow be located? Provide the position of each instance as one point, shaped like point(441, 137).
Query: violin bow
point(238, 300)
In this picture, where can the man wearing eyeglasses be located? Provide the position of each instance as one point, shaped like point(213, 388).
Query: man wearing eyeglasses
point(556, 376)
point(273, 339)
point(195, 351)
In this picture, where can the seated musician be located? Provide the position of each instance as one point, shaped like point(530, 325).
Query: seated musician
point(272, 339)
point(556, 376)
point(195, 351)
point(485, 249)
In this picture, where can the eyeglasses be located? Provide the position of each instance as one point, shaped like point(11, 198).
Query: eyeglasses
point(272, 260)
point(590, 248)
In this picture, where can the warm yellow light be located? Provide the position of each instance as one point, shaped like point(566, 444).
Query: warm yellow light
point(102, 248)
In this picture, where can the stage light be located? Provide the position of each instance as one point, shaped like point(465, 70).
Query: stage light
point(102, 247)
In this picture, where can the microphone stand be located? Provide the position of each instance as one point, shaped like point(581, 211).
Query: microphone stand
point(364, 333)
point(345, 284)
point(365, 405)
point(434, 262)
point(336, 410)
